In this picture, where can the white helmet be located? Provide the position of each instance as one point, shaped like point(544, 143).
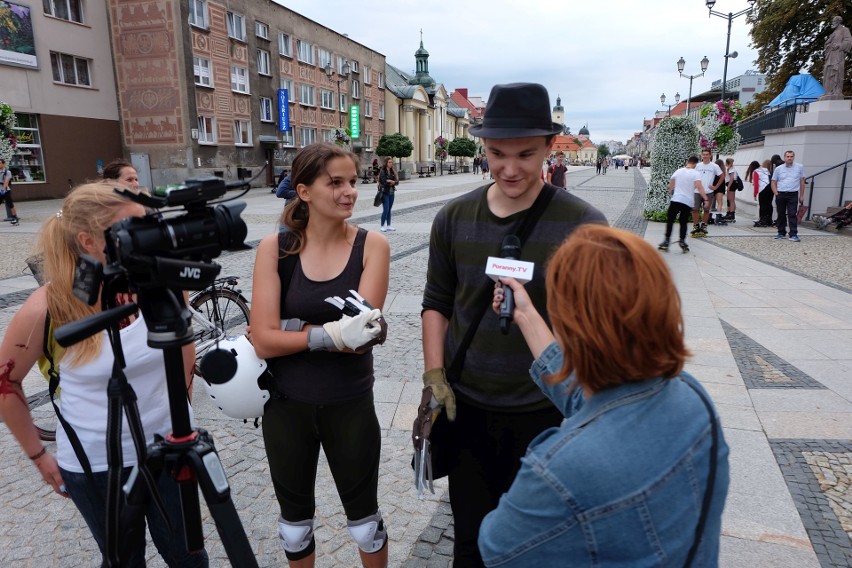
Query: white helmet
point(239, 396)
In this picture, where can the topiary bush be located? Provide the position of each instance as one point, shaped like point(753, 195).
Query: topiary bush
point(675, 141)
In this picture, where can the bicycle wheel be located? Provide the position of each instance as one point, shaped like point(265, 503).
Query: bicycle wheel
point(218, 314)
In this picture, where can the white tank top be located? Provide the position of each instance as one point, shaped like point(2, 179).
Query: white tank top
point(84, 399)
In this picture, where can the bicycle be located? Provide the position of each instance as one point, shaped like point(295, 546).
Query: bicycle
point(218, 311)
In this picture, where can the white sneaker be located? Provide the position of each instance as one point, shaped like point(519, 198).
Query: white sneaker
point(391, 228)
point(383, 229)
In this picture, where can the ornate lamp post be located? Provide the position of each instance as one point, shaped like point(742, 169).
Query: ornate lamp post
point(329, 72)
point(681, 64)
point(663, 101)
point(730, 16)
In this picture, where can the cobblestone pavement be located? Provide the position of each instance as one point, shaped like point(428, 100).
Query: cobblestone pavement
point(770, 520)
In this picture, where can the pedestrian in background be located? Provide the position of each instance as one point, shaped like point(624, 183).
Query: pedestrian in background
point(122, 172)
point(6, 193)
point(637, 472)
point(493, 408)
point(732, 188)
point(788, 185)
point(556, 172)
point(682, 185)
point(388, 180)
point(760, 177)
point(483, 165)
point(321, 362)
point(476, 162)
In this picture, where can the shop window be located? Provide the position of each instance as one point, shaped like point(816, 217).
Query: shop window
point(27, 162)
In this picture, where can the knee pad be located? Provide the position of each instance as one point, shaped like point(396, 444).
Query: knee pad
point(369, 533)
point(297, 539)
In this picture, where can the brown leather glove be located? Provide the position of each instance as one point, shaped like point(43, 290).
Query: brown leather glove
point(441, 390)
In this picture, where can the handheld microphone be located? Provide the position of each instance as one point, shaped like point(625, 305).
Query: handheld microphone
point(511, 249)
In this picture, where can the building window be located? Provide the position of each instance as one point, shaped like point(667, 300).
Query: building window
point(365, 76)
point(326, 99)
point(288, 84)
point(353, 66)
point(287, 137)
point(206, 130)
point(323, 57)
point(242, 132)
point(27, 161)
point(69, 69)
point(368, 108)
point(344, 106)
point(356, 90)
point(307, 136)
point(198, 13)
point(201, 68)
point(305, 52)
point(265, 109)
point(285, 45)
point(261, 30)
point(380, 82)
point(368, 141)
point(263, 62)
point(70, 10)
point(236, 26)
point(328, 136)
point(239, 79)
point(306, 95)
point(381, 111)
point(340, 62)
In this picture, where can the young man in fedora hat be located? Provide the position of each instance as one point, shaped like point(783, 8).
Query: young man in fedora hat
point(494, 408)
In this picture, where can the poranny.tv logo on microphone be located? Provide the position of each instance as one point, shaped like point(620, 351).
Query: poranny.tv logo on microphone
point(520, 270)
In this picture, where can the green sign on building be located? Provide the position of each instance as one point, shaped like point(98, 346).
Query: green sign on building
point(354, 122)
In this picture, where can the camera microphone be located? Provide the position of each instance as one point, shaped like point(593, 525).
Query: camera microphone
point(510, 249)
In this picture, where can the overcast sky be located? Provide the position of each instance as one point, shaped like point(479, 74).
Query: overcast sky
point(609, 60)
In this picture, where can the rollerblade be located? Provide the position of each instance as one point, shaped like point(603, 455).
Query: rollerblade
point(720, 220)
point(683, 246)
point(696, 230)
point(664, 246)
point(731, 217)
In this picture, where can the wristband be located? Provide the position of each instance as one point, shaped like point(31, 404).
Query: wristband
point(39, 454)
point(320, 340)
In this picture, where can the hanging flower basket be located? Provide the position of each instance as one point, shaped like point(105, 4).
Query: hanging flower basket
point(8, 139)
point(441, 145)
point(718, 126)
point(341, 137)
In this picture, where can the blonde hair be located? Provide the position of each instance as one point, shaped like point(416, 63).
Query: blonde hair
point(89, 208)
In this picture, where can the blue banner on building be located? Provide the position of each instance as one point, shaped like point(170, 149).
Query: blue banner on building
point(283, 110)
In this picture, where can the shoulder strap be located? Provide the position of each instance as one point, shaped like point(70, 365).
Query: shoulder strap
point(286, 265)
point(530, 219)
point(711, 477)
point(53, 384)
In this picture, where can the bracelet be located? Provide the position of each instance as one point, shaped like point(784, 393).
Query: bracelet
point(39, 454)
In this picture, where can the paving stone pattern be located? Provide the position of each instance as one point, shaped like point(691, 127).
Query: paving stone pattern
point(817, 473)
point(762, 369)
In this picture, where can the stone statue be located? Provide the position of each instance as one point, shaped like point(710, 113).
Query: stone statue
point(839, 43)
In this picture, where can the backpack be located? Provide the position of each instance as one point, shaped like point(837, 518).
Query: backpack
point(737, 184)
point(4, 175)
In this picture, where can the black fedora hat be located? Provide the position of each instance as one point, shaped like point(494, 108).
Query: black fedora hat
point(517, 110)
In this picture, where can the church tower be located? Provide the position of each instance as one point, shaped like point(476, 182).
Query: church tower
point(558, 112)
point(421, 76)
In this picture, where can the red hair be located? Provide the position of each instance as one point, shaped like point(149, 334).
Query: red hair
point(614, 309)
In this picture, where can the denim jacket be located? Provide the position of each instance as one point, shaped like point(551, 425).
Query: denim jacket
point(619, 483)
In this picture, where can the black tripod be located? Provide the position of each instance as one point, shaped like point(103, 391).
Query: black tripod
point(187, 455)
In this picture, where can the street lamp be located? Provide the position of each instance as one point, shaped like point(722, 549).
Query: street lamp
point(730, 16)
point(440, 110)
point(663, 101)
point(681, 63)
point(329, 72)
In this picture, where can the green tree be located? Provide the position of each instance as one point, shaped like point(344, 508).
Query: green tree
point(461, 147)
point(676, 140)
point(789, 35)
point(396, 146)
point(603, 150)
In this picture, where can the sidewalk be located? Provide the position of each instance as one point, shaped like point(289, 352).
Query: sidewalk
point(773, 348)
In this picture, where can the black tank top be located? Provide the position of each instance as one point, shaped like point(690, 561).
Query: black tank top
point(322, 377)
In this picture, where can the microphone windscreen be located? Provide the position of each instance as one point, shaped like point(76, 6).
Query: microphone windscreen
point(511, 247)
point(218, 366)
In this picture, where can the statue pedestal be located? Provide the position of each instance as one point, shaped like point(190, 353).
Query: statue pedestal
point(826, 113)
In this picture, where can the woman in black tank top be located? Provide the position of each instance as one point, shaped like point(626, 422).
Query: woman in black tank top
point(322, 366)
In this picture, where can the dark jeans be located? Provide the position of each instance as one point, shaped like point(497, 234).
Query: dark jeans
point(490, 446)
point(10, 205)
point(685, 211)
point(764, 201)
point(787, 203)
point(387, 204)
point(171, 546)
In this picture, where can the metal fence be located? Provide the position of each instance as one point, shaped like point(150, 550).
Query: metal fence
point(752, 128)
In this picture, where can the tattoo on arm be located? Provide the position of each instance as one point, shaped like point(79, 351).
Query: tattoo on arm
point(7, 385)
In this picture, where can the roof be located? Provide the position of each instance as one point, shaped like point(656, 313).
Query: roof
point(464, 103)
